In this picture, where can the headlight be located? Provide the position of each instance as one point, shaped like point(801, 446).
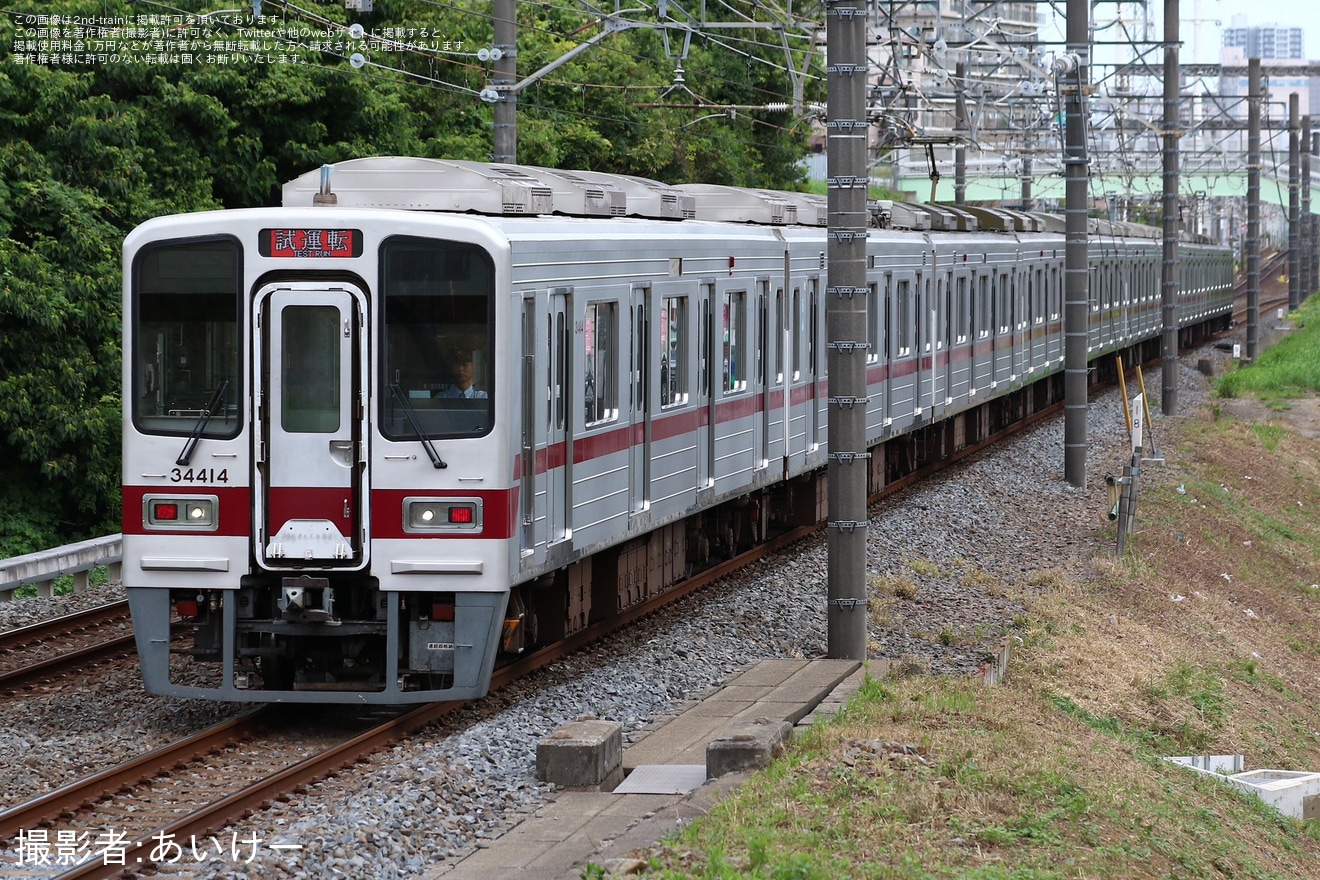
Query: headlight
point(190, 512)
point(441, 515)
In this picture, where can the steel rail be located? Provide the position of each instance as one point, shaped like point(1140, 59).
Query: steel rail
point(81, 792)
point(27, 637)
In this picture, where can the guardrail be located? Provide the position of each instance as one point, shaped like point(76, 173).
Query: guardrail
point(43, 568)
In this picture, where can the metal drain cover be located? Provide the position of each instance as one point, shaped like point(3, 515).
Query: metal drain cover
point(663, 779)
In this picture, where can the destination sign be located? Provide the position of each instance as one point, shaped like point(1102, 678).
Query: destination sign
point(310, 243)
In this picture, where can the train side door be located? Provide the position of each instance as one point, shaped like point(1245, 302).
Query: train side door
point(311, 351)
point(814, 371)
point(639, 481)
point(764, 374)
point(707, 377)
point(920, 343)
point(940, 352)
point(559, 433)
point(527, 513)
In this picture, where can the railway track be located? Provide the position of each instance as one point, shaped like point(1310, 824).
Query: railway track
point(36, 654)
point(1273, 291)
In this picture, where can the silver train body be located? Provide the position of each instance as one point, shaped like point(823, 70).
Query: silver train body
point(335, 515)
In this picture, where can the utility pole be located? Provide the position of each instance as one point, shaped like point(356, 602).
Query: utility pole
point(960, 129)
point(1026, 184)
point(1170, 275)
point(505, 139)
point(1294, 204)
point(1073, 71)
point(1252, 244)
point(845, 321)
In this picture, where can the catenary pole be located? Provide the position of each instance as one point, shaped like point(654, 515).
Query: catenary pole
point(505, 139)
point(960, 129)
point(1294, 203)
point(1027, 204)
point(1252, 244)
point(1308, 222)
point(1073, 71)
point(1170, 276)
point(845, 321)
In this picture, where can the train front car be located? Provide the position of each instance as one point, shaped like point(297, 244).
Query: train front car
point(315, 509)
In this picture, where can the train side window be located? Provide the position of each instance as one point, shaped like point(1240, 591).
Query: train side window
point(924, 316)
point(903, 318)
point(674, 351)
point(1038, 302)
point(641, 351)
point(703, 376)
point(601, 350)
point(963, 310)
point(1005, 304)
point(779, 337)
point(185, 310)
point(984, 305)
point(558, 385)
point(873, 321)
point(796, 324)
point(813, 330)
point(735, 341)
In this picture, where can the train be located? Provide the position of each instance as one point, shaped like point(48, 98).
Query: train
point(427, 414)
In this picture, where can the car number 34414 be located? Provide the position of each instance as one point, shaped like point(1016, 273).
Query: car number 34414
point(199, 475)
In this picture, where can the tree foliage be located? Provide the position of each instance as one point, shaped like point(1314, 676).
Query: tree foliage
point(91, 150)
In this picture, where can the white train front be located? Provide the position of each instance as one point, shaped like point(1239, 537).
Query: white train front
point(428, 411)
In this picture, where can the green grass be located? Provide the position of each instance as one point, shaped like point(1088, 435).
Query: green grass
point(1289, 368)
point(986, 809)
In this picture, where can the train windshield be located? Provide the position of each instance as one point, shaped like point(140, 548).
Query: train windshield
point(438, 353)
point(185, 313)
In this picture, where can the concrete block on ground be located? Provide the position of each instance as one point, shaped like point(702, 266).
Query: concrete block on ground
point(582, 754)
point(746, 745)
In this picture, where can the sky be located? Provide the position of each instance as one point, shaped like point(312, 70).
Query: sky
point(1215, 15)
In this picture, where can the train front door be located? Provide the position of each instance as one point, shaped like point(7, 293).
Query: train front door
point(310, 361)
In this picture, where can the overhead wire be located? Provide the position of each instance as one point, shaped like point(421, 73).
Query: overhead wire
point(414, 78)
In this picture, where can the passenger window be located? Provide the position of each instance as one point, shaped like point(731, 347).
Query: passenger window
point(673, 351)
point(983, 307)
point(902, 318)
point(735, 341)
point(1005, 304)
point(963, 307)
point(601, 386)
point(796, 324)
point(779, 337)
point(873, 321)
